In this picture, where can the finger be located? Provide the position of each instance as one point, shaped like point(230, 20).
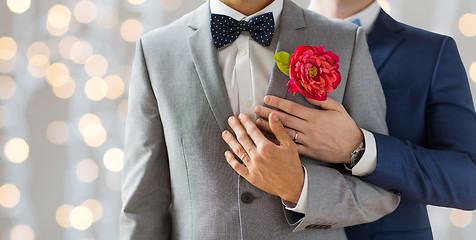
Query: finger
point(252, 130)
point(278, 129)
point(264, 125)
point(241, 134)
point(287, 120)
point(304, 150)
point(236, 165)
point(328, 104)
point(233, 143)
point(290, 107)
point(263, 111)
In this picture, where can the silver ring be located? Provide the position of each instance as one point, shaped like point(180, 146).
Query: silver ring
point(295, 135)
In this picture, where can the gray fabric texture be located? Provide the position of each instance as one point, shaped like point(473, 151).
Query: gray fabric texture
point(176, 181)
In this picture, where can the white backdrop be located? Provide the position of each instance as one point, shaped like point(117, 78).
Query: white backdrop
point(64, 71)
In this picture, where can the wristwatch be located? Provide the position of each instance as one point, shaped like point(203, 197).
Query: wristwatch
point(355, 156)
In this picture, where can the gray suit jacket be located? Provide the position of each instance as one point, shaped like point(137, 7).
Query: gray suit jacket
point(176, 181)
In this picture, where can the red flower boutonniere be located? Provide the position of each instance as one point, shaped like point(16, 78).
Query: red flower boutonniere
point(313, 71)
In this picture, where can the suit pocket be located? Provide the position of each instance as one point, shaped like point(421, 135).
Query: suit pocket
point(395, 94)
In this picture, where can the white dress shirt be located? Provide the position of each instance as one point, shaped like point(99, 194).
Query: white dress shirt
point(367, 17)
point(246, 68)
point(245, 64)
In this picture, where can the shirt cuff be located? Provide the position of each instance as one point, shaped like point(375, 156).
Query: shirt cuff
point(301, 206)
point(368, 162)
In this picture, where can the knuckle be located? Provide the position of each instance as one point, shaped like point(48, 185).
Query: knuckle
point(286, 105)
point(257, 162)
point(290, 132)
point(230, 161)
point(260, 123)
point(260, 149)
point(228, 137)
point(237, 150)
point(266, 113)
point(234, 165)
point(241, 137)
point(244, 120)
point(252, 130)
point(265, 150)
point(248, 124)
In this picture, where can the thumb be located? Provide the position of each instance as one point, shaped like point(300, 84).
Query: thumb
point(328, 104)
point(278, 129)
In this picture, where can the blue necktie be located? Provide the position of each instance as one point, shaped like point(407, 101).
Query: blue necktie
point(225, 29)
point(356, 22)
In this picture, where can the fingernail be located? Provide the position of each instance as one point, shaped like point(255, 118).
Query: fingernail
point(275, 117)
point(230, 119)
point(257, 109)
point(267, 99)
point(241, 115)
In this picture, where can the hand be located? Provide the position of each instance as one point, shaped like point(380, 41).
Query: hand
point(328, 135)
point(273, 168)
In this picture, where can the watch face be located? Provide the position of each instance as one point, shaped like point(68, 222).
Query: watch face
point(357, 155)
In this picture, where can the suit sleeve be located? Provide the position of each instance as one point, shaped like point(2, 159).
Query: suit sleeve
point(336, 200)
point(146, 193)
point(443, 171)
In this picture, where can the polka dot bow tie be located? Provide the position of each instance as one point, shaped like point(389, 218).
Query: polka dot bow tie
point(225, 29)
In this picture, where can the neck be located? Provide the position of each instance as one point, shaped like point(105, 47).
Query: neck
point(247, 7)
point(339, 8)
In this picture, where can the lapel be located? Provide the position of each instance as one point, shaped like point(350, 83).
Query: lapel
point(291, 35)
point(384, 38)
point(204, 55)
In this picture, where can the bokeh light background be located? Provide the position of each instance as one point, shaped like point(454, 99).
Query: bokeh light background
point(64, 72)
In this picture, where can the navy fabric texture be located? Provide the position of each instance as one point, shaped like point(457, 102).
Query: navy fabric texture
point(430, 155)
point(225, 29)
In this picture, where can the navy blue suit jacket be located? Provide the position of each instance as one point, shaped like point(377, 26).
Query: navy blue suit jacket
point(430, 155)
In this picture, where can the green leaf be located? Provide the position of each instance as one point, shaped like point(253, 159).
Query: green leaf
point(282, 60)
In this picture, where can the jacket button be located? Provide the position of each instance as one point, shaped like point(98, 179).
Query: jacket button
point(247, 198)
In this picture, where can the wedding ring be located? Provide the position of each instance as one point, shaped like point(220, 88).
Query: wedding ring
point(295, 135)
point(244, 155)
